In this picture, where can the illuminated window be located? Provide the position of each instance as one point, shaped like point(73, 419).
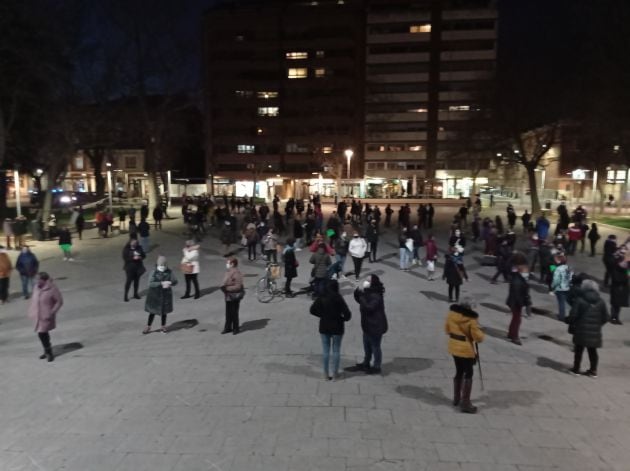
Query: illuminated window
point(415, 148)
point(245, 149)
point(298, 73)
point(259, 131)
point(426, 28)
point(320, 54)
point(244, 93)
point(327, 149)
point(459, 108)
point(267, 95)
point(78, 163)
point(268, 111)
point(418, 110)
point(320, 72)
point(297, 55)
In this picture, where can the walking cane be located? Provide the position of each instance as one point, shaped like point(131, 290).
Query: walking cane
point(479, 365)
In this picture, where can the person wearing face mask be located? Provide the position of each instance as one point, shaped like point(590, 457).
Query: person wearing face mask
point(159, 300)
point(45, 304)
point(132, 255)
point(232, 287)
point(373, 322)
point(518, 295)
point(357, 249)
point(27, 266)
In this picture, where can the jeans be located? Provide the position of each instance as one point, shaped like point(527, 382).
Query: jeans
point(328, 341)
point(27, 285)
point(562, 300)
point(271, 254)
point(463, 367)
point(372, 346)
point(405, 256)
point(341, 259)
point(251, 251)
point(144, 243)
point(593, 358)
point(515, 324)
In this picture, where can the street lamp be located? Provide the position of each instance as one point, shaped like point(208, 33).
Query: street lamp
point(18, 203)
point(109, 184)
point(348, 153)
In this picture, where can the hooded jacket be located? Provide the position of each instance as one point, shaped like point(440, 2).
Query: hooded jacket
point(588, 314)
point(332, 311)
point(462, 328)
point(372, 307)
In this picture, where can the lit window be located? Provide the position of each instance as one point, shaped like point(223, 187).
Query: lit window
point(268, 111)
point(259, 131)
point(267, 95)
point(426, 28)
point(244, 93)
point(320, 54)
point(78, 163)
point(245, 149)
point(327, 149)
point(418, 110)
point(415, 148)
point(297, 73)
point(297, 55)
point(381, 148)
point(320, 72)
point(459, 108)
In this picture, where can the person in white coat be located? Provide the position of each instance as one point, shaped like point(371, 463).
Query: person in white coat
point(190, 267)
point(357, 249)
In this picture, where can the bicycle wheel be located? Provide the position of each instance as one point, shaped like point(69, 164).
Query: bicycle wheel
point(264, 292)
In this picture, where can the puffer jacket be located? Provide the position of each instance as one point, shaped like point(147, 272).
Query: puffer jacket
point(588, 314)
point(518, 295)
point(372, 307)
point(462, 328)
point(320, 261)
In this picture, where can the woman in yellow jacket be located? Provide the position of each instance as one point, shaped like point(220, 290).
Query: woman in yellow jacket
point(463, 330)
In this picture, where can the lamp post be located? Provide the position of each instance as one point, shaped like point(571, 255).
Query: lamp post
point(109, 184)
point(168, 187)
point(18, 204)
point(348, 153)
point(594, 192)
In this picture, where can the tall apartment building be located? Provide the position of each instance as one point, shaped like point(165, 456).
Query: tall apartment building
point(284, 94)
point(426, 62)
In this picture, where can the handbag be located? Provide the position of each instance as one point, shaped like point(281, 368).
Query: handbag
point(430, 265)
point(186, 268)
point(235, 296)
point(243, 241)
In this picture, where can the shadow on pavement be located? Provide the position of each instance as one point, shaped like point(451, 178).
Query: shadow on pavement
point(434, 295)
point(398, 365)
point(64, 348)
point(549, 338)
point(508, 399)
point(209, 290)
point(429, 395)
point(553, 364)
point(185, 324)
point(496, 307)
point(254, 325)
point(544, 312)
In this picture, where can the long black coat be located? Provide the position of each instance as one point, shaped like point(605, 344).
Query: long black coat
point(452, 275)
point(588, 315)
point(372, 307)
point(133, 267)
point(518, 295)
point(290, 269)
point(619, 289)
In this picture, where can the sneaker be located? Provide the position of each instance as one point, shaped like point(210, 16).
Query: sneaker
point(71, 259)
point(591, 374)
point(573, 372)
point(65, 259)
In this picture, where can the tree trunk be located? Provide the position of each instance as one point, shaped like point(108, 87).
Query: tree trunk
point(533, 190)
point(97, 156)
point(154, 191)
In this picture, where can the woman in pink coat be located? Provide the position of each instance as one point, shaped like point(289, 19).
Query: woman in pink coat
point(45, 303)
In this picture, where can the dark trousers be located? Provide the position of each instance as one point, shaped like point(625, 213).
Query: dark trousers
point(191, 278)
point(358, 262)
point(231, 316)
point(608, 272)
point(287, 285)
point(152, 316)
point(136, 281)
point(614, 312)
point(593, 243)
point(272, 254)
point(593, 357)
point(372, 347)
point(251, 251)
point(515, 324)
point(373, 247)
point(4, 289)
point(463, 367)
point(453, 289)
point(501, 271)
point(44, 338)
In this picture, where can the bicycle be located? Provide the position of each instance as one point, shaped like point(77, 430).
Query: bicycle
point(267, 287)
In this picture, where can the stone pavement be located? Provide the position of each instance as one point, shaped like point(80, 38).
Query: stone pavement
point(193, 400)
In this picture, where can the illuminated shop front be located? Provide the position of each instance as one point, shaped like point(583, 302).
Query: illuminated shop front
point(456, 183)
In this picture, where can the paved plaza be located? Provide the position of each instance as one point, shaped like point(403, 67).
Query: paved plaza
point(195, 400)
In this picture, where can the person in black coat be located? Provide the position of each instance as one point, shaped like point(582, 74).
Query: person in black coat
point(333, 312)
point(453, 276)
point(373, 322)
point(504, 254)
point(593, 236)
point(518, 298)
point(132, 255)
point(290, 266)
point(619, 288)
point(588, 315)
point(610, 247)
point(371, 236)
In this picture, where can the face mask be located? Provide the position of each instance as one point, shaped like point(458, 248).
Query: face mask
point(161, 268)
point(228, 266)
point(525, 274)
point(457, 233)
point(366, 284)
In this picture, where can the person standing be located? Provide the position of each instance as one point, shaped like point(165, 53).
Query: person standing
point(619, 289)
point(561, 283)
point(610, 247)
point(462, 328)
point(320, 261)
point(65, 243)
point(357, 249)
point(132, 255)
point(333, 313)
point(144, 231)
point(341, 252)
point(190, 261)
point(251, 239)
point(593, 237)
point(144, 211)
point(19, 231)
point(79, 224)
point(431, 255)
point(405, 245)
point(453, 277)
point(371, 236)
point(270, 242)
point(158, 214)
point(373, 322)
point(234, 291)
point(290, 266)
point(27, 266)
point(430, 215)
point(159, 300)
point(45, 304)
point(518, 297)
point(7, 228)
point(586, 319)
point(388, 215)
point(122, 217)
point(5, 275)
point(416, 236)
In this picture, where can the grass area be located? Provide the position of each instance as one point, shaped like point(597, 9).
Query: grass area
point(620, 221)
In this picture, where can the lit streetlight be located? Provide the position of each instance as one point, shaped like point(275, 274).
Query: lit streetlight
point(18, 203)
point(348, 153)
point(109, 185)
